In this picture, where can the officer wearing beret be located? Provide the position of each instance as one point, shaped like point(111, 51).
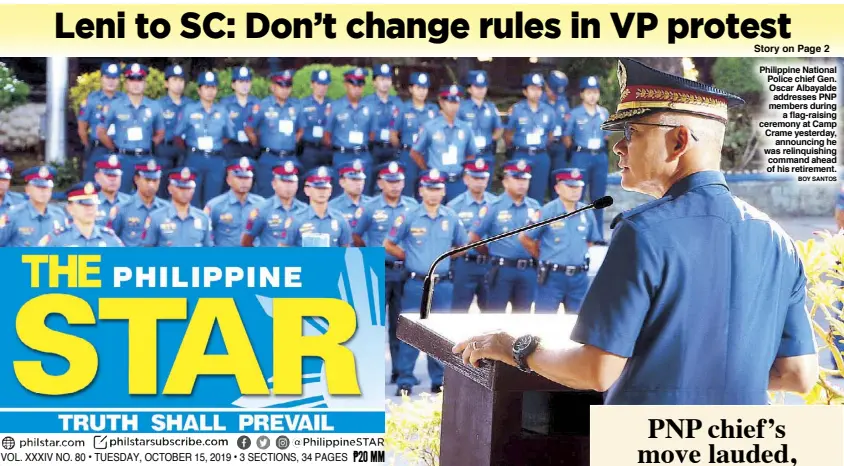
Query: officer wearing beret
point(239, 106)
point(311, 123)
point(172, 105)
point(562, 247)
point(229, 211)
point(318, 225)
point(129, 217)
point(7, 198)
point(26, 223)
point(137, 121)
point(482, 115)
point(587, 143)
point(178, 224)
point(411, 116)
point(108, 177)
point(82, 202)
point(269, 222)
point(271, 128)
point(91, 112)
point(701, 299)
point(350, 203)
point(386, 108)
point(555, 96)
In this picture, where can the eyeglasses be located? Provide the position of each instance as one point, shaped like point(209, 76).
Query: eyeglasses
point(628, 129)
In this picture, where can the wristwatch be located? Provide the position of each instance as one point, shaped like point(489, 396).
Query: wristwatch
point(523, 347)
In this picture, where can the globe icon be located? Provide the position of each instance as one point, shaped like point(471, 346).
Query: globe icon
point(8, 443)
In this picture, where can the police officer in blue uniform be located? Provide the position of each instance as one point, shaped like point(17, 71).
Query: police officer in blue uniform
point(530, 130)
point(269, 222)
point(588, 143)
point(274, 120)
point(26, 223)
point(471, 269)
point(555, 96)
point(204, 128)
point(371, 229)
point(239, 106)
point(82, 203)
point(311, 124)
point(386, 108)
point(562, 247)
point(351, 202)
point(108, 177)
point(129, 218)
point(351, 125)
point(229, 211)
point(91, 112)
point(137, 121)
point(701, 299)
point(318, 225)
point(8, 198)
point(412, 115)
point(178, 224)
point(482, 115)
point(446, 142)
point(169, 154)
point(512, 275)
point(418, 238)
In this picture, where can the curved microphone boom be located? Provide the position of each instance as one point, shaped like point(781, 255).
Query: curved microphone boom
point(427, 286)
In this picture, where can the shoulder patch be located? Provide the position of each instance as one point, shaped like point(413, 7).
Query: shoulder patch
point(207, 210)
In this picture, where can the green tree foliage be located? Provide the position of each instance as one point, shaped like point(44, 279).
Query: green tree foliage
point(13, 92)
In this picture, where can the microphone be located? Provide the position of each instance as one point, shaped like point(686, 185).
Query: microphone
point(427, 286)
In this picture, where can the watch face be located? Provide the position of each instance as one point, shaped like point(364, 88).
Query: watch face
point(522, 343)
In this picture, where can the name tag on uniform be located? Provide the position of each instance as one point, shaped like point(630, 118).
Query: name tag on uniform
point(285, 127)
point(534, 138)
point(135, 133)
point(110, 130)
point(450, 157)
point(355, 137)
point(241, 136)
point(480, 142)
point(316, 240)
point(558, 131)
point(317, 131)
point(593, 143)
point(385, 135)
point(205, 143)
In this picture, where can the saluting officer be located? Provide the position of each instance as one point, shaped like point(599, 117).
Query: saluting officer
point(418, 238)
point(482, 115)
point(274, 119)
point(351, 125)
point(446, 142)
point(91, 112)
point(318, 224)
point(512, 276)
point(82, 202)
point(412, 115)
point(204, 128)
point(228, 211)
point(26, 223)
point(178, 224)
point(588, 143)
point(138, 123)
point(471, 269)
point(268, 223)
point(373, 224)
point(312, 121)
point(530, 129)
point(8, 198)
point(239, 106)
point(129, 218)
point(562, 247)
point(172, 105)
point(352, 179)
point(385, 107)
point(108, 177)
point(555, 96)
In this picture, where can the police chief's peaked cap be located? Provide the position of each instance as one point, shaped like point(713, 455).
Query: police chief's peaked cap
point(644, 91)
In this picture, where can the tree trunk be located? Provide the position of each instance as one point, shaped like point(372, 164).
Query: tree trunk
point(670, 65)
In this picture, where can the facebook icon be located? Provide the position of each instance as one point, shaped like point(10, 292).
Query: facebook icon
point(243, 442)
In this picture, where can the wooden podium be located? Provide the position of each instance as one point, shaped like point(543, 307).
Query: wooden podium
point(497, 414)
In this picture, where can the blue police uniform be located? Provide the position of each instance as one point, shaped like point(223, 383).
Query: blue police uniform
point(228, 213)
point(164, 227)
point(344, 204)
point(385, 111)
point(204, 132)
point(470, 270)
point(423, 238)
point(23, 225)
point(408, 123)
point(275, 123)
point(269, 222)
point(7, 167)
point(109, 166)
point(91, 112)
point(445, 146)
point(310, 229)
point(688, 278)
point(589, 147)
point(557, 99)
point(350, 128)
point(168, 153)
point(372, 227)
point(128, 218)
point(484, 118)
point(312, 121)
point(239, 145)
point(532, 130)
point(563, 251)
point(512, 276)
point(86, 193)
